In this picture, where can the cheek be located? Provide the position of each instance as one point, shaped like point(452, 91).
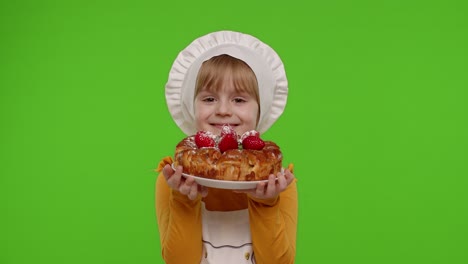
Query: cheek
point(199, 112)
point(198, 122)
point(251, 115)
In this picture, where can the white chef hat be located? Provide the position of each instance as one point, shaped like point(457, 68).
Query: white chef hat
point(264, 61)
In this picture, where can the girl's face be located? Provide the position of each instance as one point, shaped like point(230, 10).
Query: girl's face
point(213, 109)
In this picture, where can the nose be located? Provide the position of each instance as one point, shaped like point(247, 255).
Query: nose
point(223, 109)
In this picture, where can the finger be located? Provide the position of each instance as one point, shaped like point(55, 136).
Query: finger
point(289, 176)
point(203, 190)
point(281, 182)
point(193, 193)
point(186, 186)
point(260, 191)
point(174, 180)
point(167, 171)
point(271, 187)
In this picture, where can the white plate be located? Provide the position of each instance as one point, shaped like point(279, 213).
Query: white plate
point(220, 184)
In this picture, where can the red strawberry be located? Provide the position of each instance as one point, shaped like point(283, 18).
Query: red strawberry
point(250, 133)
point(227, 142)
point(253, 142)
point(204, 139)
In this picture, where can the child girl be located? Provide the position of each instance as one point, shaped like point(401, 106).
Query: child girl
point(226, 78)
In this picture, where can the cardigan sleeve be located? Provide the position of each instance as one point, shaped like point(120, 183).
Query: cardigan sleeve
point(273, 225)
point(181, 243)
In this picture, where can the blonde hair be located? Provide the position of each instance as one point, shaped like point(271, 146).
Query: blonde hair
point(224, 68)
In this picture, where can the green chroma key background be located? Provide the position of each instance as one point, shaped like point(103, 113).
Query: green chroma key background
point(376, 124)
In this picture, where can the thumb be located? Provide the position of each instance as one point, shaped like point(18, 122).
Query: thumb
point(168, 171)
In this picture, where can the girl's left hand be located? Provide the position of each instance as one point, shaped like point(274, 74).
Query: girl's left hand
point(272, 188)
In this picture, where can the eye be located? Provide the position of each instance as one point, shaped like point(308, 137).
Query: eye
point(239, 100)
point(208, 99)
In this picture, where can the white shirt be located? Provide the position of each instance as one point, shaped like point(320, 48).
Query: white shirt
point(226, 237)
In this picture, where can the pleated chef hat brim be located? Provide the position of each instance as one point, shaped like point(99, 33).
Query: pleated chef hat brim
point(264, 61)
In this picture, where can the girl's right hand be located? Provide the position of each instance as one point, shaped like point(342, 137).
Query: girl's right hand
point(186, 186)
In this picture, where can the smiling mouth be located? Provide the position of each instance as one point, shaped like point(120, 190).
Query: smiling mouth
point(224, 124)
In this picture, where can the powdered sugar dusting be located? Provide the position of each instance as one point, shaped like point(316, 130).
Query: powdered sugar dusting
point(211, 135)
point(249, 133)
point(227, 130)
